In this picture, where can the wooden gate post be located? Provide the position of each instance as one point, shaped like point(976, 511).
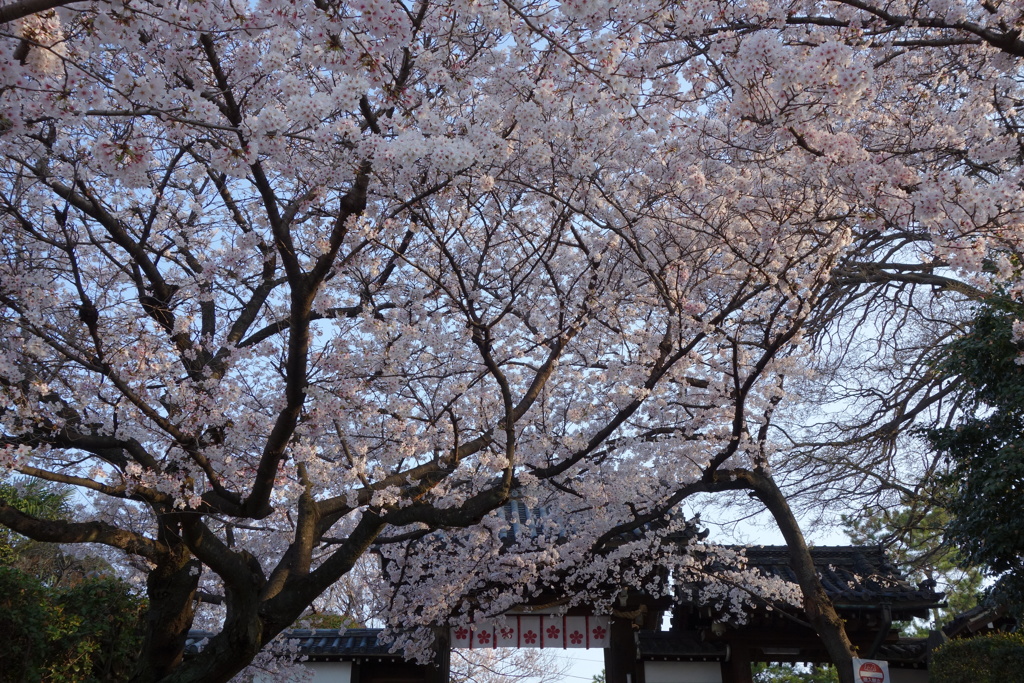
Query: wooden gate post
point(440, 669)
point(736, 669)
point(620, 657)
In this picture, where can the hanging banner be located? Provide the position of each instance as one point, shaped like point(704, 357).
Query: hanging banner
point(534, 631)
point(871, 671)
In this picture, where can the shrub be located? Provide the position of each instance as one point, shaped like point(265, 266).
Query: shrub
point(985, 659)
point(27, 621)
point(87, 633)
point(106, 639)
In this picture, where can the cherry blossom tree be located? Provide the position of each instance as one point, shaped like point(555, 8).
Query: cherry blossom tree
point(286, 283)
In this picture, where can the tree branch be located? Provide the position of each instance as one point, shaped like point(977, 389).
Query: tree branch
point(19, 10)
point(56, 531)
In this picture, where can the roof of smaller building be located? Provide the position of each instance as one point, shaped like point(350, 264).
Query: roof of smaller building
point(981, 619)
point(687, 647)
point(905, 652)
point(315, 643)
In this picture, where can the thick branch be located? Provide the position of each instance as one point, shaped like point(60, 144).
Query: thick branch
point(19, 10)
point(817, 605)
point(880, 273)
point(57, 531)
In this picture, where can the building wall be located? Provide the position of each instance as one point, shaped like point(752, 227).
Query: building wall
point(683, 672)
point(330, 672)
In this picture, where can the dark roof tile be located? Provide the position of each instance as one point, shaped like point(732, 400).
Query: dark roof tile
point(851, 575)
point(353, 642)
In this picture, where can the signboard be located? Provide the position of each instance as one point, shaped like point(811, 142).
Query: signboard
point(870, 671)
point(534, 631)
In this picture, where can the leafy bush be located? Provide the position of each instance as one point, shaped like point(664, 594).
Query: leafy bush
point(28, 619)
point(106, 640)
point(986, 659)
point(87, 633)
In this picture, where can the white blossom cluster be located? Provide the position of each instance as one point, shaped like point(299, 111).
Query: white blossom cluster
point(283, 284)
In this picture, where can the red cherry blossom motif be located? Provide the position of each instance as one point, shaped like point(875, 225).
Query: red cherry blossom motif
point(599, 633)
point(461, 633)
point(553, 632)
point(484, 637)
point(575, 637)
point(507, 632)
point(530, 637)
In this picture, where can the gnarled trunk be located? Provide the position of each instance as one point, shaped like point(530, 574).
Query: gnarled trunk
point(819, 608)
point(171, 588)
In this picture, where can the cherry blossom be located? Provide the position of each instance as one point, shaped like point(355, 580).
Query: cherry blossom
point(284, 284)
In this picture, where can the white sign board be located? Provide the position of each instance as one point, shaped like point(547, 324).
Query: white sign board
point(870, 671)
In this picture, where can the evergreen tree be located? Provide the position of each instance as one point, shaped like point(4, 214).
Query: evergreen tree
point(913, 534)
point(790, 673)
point(60, 622)
point(986, 451)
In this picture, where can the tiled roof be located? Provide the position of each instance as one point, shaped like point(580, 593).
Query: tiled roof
point(853, 576)
point(856, 580)
point(981, 619)
point(524, 521)
point(909, 652)
point(313, 643)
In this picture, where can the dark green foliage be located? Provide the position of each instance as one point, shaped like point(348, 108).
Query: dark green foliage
point(986, 659)
point(36, 498)
point(790, 673)
point(87, 633)
point(28, 620)
point(106, 639)
point(61, 621)
point(46, 561)
point(986, 452)
point(913, 535)
point(328, 620)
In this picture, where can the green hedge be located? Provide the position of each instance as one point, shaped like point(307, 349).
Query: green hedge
point(986, 659)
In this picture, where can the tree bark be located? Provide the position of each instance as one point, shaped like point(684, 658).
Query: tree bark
point(19, 10)
point(171, 589)
point(819, 608)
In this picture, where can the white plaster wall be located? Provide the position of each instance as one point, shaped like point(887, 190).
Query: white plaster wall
point(331, 672)
point(683, 672)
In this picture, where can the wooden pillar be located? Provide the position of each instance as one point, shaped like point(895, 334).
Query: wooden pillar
point(736, 669)
point(440, 668)
point(620, 661)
